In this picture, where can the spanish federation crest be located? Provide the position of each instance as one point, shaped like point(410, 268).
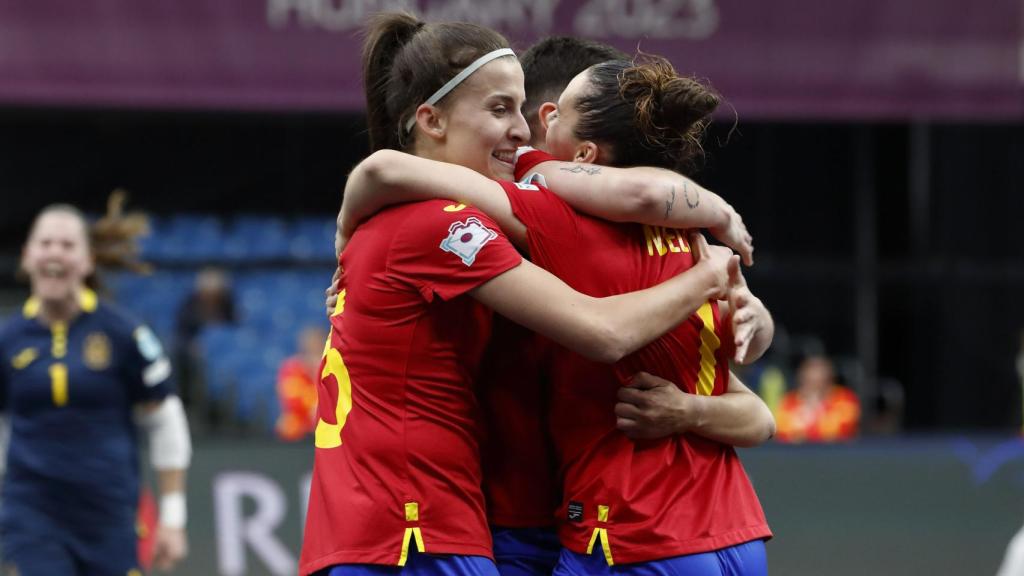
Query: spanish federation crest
point(465, 239)
point(96, 351)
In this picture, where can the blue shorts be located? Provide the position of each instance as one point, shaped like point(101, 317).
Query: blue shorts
point(525, 551)
point(420, 564)
point(38, 545)
point(747, 559)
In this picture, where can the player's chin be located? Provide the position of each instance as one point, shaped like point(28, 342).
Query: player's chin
point(501, 170)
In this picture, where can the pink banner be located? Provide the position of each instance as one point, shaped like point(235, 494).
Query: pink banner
point(787, 59)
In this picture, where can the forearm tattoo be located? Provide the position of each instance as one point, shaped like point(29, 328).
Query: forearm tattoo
point(686, 196)
point(579, 168)
point(670, 202)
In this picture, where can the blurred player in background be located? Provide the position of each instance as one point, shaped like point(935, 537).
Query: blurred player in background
point(819, 409)
point(77, 378)
point(297, 380)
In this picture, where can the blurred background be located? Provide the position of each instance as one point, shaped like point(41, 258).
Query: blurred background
point(874, 148)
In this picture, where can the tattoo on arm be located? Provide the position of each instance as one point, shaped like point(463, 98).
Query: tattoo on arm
point(578, 168)
point(670, 202)
point(686, 196)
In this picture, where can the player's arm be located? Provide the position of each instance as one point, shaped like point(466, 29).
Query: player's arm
point(389, 177)
point(652, 407)
point(646, 195)
point(170, 451)
point(606, 329)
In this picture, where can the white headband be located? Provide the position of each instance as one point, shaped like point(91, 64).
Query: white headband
point(451, 84)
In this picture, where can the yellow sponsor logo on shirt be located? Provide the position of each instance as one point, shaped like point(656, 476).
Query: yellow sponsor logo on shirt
point(24, 358)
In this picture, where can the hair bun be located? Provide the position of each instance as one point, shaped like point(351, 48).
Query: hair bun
point(684, 102)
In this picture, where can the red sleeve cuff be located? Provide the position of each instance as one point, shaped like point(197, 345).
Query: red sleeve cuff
point(527, 158)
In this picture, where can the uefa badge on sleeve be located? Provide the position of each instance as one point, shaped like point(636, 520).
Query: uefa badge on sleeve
point(465, 239)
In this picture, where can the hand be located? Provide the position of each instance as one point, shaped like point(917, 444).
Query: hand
point(332, 292)
point(748, 316)
point(719, 261)
point(735, 235)
point(652, 407)
point(169, 547)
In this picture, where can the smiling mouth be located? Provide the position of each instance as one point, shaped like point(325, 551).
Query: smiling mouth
point(506, 157)
point(53, 270)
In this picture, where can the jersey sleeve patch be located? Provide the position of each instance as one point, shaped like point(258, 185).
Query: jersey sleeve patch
point(158, 366)
point(466, 239)
point(148, 343)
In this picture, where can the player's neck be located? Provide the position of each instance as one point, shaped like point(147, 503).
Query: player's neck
point(63, 310)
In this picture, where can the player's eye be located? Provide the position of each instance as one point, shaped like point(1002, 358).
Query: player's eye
point(499, 110)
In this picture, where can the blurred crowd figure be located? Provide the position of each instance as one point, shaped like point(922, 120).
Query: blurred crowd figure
point(211, 302)
point(297, 386)
point(819, 409)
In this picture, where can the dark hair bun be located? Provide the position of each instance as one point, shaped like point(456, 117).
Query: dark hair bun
point(685, 102)
point(671, 111)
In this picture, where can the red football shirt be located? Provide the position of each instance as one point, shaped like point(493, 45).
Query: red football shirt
point(641, 500)
point(518, 462)
point(397, 460)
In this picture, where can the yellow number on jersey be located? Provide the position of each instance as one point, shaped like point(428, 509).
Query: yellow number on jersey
point(329, 435)
point(709, 344)
point(59, 384)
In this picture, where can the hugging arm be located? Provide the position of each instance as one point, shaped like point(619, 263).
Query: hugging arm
point(604, 329)
point(652, 407)
point(654, 196)
point(389, 177)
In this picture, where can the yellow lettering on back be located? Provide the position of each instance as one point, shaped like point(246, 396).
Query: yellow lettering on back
point(671, 235)
point(653, 236)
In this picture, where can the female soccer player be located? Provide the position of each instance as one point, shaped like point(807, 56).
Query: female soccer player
point(74, 372)
point(648, 505)
point(397, 466)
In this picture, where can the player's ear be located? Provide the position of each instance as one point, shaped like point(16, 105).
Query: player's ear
point(586, 152)
point(431, 121)
point(543, 112)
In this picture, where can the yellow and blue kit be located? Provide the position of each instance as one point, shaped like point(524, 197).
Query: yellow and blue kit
point(72, 480)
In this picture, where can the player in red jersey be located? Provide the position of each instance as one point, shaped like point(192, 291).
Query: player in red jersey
point(397, 464)
point(616, 497)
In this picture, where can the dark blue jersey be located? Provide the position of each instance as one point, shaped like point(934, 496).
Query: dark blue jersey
point(69, 390)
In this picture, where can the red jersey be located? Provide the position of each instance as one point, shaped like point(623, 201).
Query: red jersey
point(518, 462)
point(397, 458)
point(296, 394)
point(642, 500)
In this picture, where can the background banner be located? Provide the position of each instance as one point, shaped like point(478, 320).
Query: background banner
point(926, 506)
point(842, 59)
